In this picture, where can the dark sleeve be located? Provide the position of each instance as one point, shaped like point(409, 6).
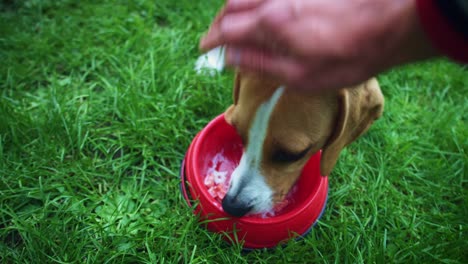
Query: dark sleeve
point(445, 22)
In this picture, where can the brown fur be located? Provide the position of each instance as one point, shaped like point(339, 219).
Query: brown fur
point(327, 121)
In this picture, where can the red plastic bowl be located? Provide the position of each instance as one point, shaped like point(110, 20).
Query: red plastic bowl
point(310, 197)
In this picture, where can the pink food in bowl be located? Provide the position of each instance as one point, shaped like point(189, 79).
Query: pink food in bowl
point(217, 180)
point(219, 139)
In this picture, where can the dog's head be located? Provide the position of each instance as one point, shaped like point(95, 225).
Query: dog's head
point(281, 129)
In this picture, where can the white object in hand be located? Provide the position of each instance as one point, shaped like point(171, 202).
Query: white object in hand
point(211, 62)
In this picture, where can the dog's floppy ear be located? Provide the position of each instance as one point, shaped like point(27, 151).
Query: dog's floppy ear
point(235, 97)
point(358, 108)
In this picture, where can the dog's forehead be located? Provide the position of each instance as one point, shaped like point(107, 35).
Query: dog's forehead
point(304, 117)
point(253, 91)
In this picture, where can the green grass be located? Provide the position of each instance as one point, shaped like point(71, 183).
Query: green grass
point(99, 102)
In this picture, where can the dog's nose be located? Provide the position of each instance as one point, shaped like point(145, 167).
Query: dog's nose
point(234, 207)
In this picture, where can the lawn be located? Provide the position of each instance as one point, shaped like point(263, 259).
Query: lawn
point(99, 102)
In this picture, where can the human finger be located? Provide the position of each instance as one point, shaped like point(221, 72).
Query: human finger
point(263, 61)
point(267, 26)
point(242, 5)
point(300, 34)
point(232, 28)
point(277, 21)
point(214, 36)
point(294, 73)
point(257, 22)
point(213, 30)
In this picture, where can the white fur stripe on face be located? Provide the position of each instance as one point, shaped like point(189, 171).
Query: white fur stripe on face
point(247, 182)
point(259, 128)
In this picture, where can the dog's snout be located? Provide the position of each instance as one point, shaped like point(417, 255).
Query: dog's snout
point(235, 207)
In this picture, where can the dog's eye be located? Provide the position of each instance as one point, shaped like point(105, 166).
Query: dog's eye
point(283, 156)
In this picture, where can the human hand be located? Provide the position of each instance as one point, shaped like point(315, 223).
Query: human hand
point(318, 44)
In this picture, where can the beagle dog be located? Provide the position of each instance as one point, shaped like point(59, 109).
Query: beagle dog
point(282, 128)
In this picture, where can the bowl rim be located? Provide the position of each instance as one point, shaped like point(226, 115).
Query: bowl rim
point(277, 219)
